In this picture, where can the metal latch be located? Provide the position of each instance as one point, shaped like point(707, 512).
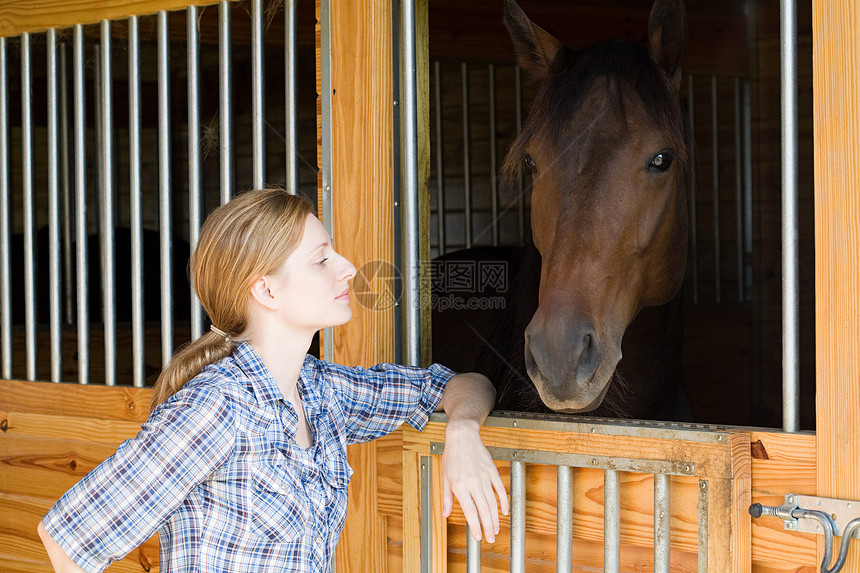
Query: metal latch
point(810, 514)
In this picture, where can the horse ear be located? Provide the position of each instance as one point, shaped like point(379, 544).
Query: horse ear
point(535, 48)
point(667, 36)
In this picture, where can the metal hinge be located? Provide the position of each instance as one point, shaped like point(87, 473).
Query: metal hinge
point(821, 515)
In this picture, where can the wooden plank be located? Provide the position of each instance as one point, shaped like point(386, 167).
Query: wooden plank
point(90, 401)
point(781, 463)
point(362, 215)
point(19, 16)
point(836, 51)
point(411, 470)
point(111, 432)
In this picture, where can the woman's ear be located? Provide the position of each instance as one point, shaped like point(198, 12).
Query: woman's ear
point(261, 292)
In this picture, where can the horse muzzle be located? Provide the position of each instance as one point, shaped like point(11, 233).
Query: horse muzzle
point(567, 362)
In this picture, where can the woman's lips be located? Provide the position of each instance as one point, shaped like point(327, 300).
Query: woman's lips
point(344, 295)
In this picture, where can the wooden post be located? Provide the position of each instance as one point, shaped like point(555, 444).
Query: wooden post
point(836, 117)
point(363, 231)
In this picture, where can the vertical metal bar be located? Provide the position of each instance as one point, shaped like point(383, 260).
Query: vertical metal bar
point(55, 317)
point(790, 280)
point(473, 553)
point(611, 522)
point(494, 192)
point(164, 194)
point(694, 243)
point(518, 113)
point(138, 347)
point(564, 519)
point(440, 162)
point(715, 185)
point(82, 264)
point(225, 87)
point(290, 83)
point(326, 140)
point(65, 185)
point(108, 259)
point(29, 213)
point(257, 94)
point(426, 510)
point(662, 523)
point(5, 271)
point(409, 196)
point(467, 167)
point(195, 175)
point(739, 189)
point(703, 527)
point(518, 517)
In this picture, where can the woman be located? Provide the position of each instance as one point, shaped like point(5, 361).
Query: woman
point(241, 465)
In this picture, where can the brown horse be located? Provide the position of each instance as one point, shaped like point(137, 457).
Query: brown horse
point(605, 144)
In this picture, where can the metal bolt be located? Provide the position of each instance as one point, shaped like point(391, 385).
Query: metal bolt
point(516, 424)
point(704, 485)
point(593, 430)
point(719, 438)
point(514, 454)
point(594, 461)
point(686, 468)
point(423, 467)
point(789, 499)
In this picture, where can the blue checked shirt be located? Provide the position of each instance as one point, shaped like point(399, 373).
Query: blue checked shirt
point(217, 472)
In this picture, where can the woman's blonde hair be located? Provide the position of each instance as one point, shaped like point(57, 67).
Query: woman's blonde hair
point(242, 240)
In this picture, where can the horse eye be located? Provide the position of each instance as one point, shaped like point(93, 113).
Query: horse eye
point(530, 163)
point(662, 161)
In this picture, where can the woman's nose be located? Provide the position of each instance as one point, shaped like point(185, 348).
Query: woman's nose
point(348, 271)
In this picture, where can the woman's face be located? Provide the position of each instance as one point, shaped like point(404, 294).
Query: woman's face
point(312, 286)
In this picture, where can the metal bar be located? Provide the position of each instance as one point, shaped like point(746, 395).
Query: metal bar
point(138, 346)
point(411, 271)
point(694, 244)
point(5, 270)
point(739, 190)
point(518, 517)
point(164, 194)
point(426, 510)
point(494, 191)
point(662, 523)
point(225, 114)
point(473, 553)
point(440, 163)
point(55, 318)
point(65, 185)
point(668, 467)
point(326, 141)
point(611, 522)
point(29, 212)
point(790, 280)
point(257, 95)
point(467, 173)
point(518, 113)
point(703, 527)
point(195, 175)
point(715, 185)
point(107, 208)
point(82, 266)
point(290, 82)
point(564, 519)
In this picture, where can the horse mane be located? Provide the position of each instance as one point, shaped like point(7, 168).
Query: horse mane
point(573, 74)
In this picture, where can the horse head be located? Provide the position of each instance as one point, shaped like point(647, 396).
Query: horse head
point(605, 144)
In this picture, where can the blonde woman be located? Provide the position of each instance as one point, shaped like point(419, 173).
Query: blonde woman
point(242, 465)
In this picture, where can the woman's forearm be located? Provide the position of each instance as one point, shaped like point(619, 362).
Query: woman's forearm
point(468, 397)
point(59, 560)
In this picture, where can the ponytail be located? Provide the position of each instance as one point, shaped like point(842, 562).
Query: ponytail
point(187, 362)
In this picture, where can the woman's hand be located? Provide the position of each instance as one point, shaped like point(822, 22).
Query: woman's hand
point(59, 560)
point(468, 472)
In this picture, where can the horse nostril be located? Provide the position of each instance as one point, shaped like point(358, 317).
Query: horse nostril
point(589, 356)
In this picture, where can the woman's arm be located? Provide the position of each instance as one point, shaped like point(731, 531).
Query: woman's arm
point(468, 470)
point(59, 560)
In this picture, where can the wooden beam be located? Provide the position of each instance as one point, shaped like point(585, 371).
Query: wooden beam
point(362, 182)
point(836, 80)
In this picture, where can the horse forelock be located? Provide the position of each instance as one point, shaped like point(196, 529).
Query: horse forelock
point(627, 72)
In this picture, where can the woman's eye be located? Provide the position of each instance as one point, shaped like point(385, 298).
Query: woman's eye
point(322, 261)
point(662, 161)
point(530, 163)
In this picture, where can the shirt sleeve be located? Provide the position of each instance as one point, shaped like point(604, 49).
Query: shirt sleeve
point(124, 500)
point(377, 400)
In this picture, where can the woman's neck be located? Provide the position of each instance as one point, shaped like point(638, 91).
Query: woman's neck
point(283, 354)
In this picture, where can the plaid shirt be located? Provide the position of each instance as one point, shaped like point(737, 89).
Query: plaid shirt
point(217, 472)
